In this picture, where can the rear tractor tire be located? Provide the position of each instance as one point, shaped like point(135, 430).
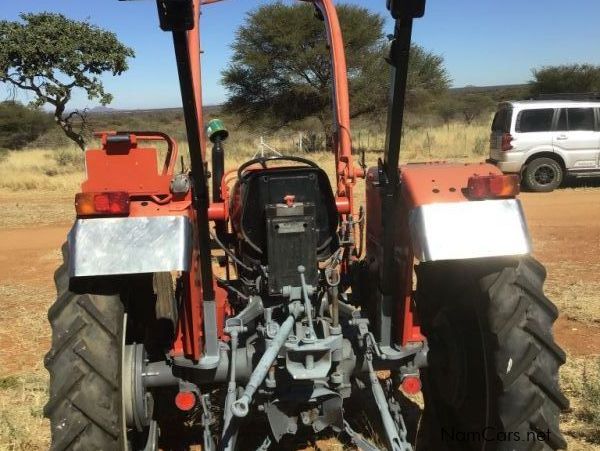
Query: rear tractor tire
point(85, 408)
point(492, 380)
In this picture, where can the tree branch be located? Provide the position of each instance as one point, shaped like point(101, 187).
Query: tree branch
point(29, 87)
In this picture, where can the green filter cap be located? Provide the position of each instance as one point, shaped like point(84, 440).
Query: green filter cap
point(216, 129)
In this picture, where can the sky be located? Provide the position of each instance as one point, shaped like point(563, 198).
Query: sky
point(483, 42)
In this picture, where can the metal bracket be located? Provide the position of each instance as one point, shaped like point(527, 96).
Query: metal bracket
point(176, 15)
point(406, 9)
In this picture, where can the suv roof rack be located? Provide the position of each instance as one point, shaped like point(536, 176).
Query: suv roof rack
point(569, 96)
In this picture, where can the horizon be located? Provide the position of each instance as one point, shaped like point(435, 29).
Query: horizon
point(483, 43)
point(99, 109)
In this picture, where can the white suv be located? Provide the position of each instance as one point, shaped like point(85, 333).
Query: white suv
point(544, 140)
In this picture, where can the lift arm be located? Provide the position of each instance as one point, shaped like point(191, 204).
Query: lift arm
point(180, 17)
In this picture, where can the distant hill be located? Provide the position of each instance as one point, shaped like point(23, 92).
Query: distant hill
point(472, 88)
point(208, 109)
point(101, 110)
point(497, 92)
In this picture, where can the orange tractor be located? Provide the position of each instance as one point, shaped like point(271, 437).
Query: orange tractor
point(184, 317)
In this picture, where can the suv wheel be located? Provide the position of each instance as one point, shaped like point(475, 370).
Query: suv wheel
point(543, 175)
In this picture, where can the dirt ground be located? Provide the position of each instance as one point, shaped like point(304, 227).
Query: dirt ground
point(565, 227)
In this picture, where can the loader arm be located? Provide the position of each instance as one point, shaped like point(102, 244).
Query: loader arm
point(181, 18)
point(404, 12)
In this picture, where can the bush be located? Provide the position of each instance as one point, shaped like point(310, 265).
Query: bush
point(20, 125)
point(3, 155)
point(566, 79)
point(72, 157)
point(313, 142)
point(474, 106)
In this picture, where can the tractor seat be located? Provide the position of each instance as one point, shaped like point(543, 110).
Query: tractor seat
point(262, 187)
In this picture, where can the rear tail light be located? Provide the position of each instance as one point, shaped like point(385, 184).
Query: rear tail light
point(102, 204)
point(507, 142)
point(493, 186)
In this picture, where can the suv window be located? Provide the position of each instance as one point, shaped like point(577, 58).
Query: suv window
point(574, 119)
point(502, 120)
point(581, 119)
point(562, 125)
point(535, 120)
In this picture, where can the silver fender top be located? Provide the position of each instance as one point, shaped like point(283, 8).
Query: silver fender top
point(110, 246)
point(470, 229)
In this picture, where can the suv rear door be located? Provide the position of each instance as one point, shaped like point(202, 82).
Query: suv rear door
point(500, 127)
point(577, 137)
point(533, 130)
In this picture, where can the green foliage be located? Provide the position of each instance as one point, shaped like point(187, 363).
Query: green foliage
point(516, 92)
point(470, 106)
point(50, 55)
point(281, 70)
point(20, 125)
point(427, 77)
point(447, 108)
point(474, 106)
point(65, 157)
point(575, 78)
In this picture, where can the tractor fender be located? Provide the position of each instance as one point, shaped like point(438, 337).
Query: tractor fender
point(130, 245)
point(445, 224)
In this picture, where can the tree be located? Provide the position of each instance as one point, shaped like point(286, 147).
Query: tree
point(281, 66)
point(50, 55)
point(427, 77)
point(20, 125)
point(447, 107)
point(473, 106)
point(575, 78)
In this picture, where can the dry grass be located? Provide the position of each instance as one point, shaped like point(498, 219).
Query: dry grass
point(37, 207)
point(22, 425)
point(578, 301)
point(37, 169)
point(61, 170)
point(23, 379)
point(580, 378)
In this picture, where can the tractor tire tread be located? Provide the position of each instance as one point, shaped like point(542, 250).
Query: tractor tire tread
point(534, 376)
point(523, 358)
point(84, 406)
point(545, 340)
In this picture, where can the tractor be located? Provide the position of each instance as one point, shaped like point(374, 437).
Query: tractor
point(237, 309)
